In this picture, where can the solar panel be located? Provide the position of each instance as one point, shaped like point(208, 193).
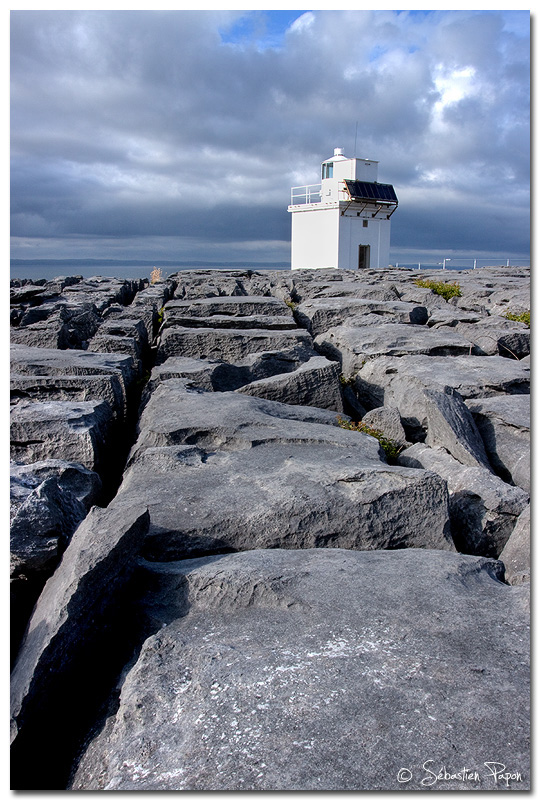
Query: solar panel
point(366, 191)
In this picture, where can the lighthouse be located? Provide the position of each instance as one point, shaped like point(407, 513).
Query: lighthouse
point(344, 221)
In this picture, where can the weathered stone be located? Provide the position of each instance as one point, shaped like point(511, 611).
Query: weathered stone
point(253, 322)
point(316, 483)
point(61, 429)
point(71, 387)
point(515, 301)
point(241, 306)
point(82, 483)
point(48, 361)
point(450, 424)
point(483, 508)
point(176, 414)
point(354, 346)
point(220, 376)
point(516, 555)
point(449, 316)
point(48, 333)
point(228, 345)
point(68, 626)
point(314, 383)
point(321, 670)
point(318, 287)
point(504, 424)
point(471, 376)
point(388, 421)
point(320, 315)
point(497, 336)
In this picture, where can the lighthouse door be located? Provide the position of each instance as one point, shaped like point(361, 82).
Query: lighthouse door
point(363, 256)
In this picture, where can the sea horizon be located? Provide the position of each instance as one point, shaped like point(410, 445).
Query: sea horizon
point(133, 269)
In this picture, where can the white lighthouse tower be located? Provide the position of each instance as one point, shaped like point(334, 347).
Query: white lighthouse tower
point(344, 221)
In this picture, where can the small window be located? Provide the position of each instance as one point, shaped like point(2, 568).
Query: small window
point(365, 223)
point(327, 171)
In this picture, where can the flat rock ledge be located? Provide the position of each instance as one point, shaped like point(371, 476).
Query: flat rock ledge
point(270, 532)
point(315, 670)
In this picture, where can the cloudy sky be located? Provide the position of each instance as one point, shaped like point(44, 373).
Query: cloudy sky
point(178, 134)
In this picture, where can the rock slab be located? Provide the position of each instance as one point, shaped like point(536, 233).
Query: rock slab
point(321, 670)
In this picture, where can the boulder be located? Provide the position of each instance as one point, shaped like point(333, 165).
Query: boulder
point(253, 322)
point(354, 346)
point(471, 376)
point(497, 336)
point(49, 361)
point(329, 494)
point(436, 415)
point(241, 306)
point(227, 345)
point(504, 424)
point(387, 420)
point(449, 424)
point(314, 383)
point(74, 388)
point(82, 483)
point(72, 636)
point(178, 414)
point(319, 315)
point(322, 670)
point(483, 508)
point(516, 555)
point(72, 431)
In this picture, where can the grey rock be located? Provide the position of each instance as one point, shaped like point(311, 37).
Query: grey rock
point(450, 424)
point(449, 316)
point(49, 361)
point(515, 300)
point(328, 494)
point(516, 555)
point(471, 376)
point(321, 670)
point(320, 315)
point(483, 508)
point(436, 414)
point(71, 613)
point(82, 483)
point(504, 424)
point(220, 376)
point(61, 429)
point(176, 414)
point(228, 345)
point(497, 336)
point(241, 306)
point(417, 294)
point(314, 383)
point(71, 387)
point(387, 420)
point(47, 333)
point(354, 346)
point(253, 322)
point(316, 484)
point(381, 290)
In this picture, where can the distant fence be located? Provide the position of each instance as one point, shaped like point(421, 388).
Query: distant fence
point(463, 263)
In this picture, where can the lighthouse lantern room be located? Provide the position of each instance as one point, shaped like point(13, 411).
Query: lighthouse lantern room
point(343, 222)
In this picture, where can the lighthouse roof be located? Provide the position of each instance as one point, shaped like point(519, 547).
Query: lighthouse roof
point(338, 156)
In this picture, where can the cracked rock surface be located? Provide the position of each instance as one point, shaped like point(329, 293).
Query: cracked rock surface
point(276, 527)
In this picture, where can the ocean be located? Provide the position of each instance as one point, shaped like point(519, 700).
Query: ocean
point(128, 270)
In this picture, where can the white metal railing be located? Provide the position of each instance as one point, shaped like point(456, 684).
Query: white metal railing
point(306, 194)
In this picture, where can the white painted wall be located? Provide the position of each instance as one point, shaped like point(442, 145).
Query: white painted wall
point(315, 238)
point(352, 234)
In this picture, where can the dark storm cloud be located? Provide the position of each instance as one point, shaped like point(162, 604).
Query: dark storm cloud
point(162, 123)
